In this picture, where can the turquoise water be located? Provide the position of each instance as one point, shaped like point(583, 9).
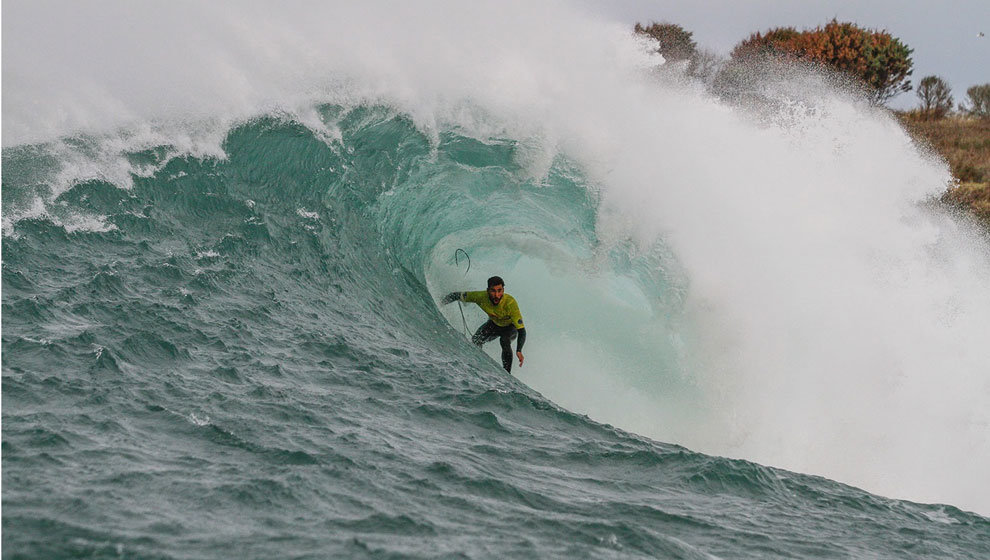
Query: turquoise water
point(243, 357)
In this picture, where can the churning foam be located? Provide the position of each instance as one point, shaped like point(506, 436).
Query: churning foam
point(833, 324)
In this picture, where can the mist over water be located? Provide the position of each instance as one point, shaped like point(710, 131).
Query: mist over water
point(787, 296)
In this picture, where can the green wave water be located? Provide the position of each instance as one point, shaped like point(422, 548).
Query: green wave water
point(242, 356)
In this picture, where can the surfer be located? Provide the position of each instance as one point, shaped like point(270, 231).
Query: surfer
point(505, 322)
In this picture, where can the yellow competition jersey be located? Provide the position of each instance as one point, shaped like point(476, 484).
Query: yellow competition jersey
point(504, 314)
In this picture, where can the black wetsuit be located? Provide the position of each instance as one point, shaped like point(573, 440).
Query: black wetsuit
point(490, 331)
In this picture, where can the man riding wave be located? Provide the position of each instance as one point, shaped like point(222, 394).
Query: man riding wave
point(505, 322)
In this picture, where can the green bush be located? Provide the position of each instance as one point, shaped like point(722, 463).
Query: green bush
point(675, 41)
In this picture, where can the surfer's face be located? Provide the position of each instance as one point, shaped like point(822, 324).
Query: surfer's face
point(495, 293)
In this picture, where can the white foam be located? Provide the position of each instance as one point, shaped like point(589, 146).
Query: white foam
point(71, 222)
point(92, 224)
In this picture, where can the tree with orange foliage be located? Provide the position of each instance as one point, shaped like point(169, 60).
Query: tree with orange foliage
point(877, 59)
point(771, 44)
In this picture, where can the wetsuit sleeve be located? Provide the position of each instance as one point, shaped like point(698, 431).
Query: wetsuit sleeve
point(452, 297)
point(475, 297)
point(521, 339)
point(516, 316)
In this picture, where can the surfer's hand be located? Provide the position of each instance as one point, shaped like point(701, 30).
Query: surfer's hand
point(451, 298)
point(520, 356)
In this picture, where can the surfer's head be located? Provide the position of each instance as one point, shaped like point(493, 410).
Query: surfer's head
point(496, 289)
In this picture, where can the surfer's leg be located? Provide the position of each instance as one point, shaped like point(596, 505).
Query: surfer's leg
point(485, 333)
point(505, 340)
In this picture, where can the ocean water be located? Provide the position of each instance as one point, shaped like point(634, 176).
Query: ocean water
point(752, 334)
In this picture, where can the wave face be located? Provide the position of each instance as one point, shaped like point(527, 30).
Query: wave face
point(221, 334)
point(245, 354)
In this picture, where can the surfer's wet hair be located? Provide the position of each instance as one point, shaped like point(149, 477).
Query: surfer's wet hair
point(495, 281)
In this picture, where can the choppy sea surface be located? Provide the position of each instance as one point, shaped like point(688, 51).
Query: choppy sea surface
point(243, 357)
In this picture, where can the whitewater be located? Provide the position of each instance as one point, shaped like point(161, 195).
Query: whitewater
point(753, 330)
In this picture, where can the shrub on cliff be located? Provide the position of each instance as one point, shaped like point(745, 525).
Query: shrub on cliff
point(773, 43)
point(935, 96)
point(877, 59)
point(675, 41)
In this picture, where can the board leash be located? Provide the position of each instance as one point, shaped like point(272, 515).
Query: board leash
point(467, 332)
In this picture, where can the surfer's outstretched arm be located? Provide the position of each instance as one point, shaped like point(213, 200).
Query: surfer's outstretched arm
point(452, 297)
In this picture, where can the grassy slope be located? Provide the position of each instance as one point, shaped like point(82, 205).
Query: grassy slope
point(965, 144)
